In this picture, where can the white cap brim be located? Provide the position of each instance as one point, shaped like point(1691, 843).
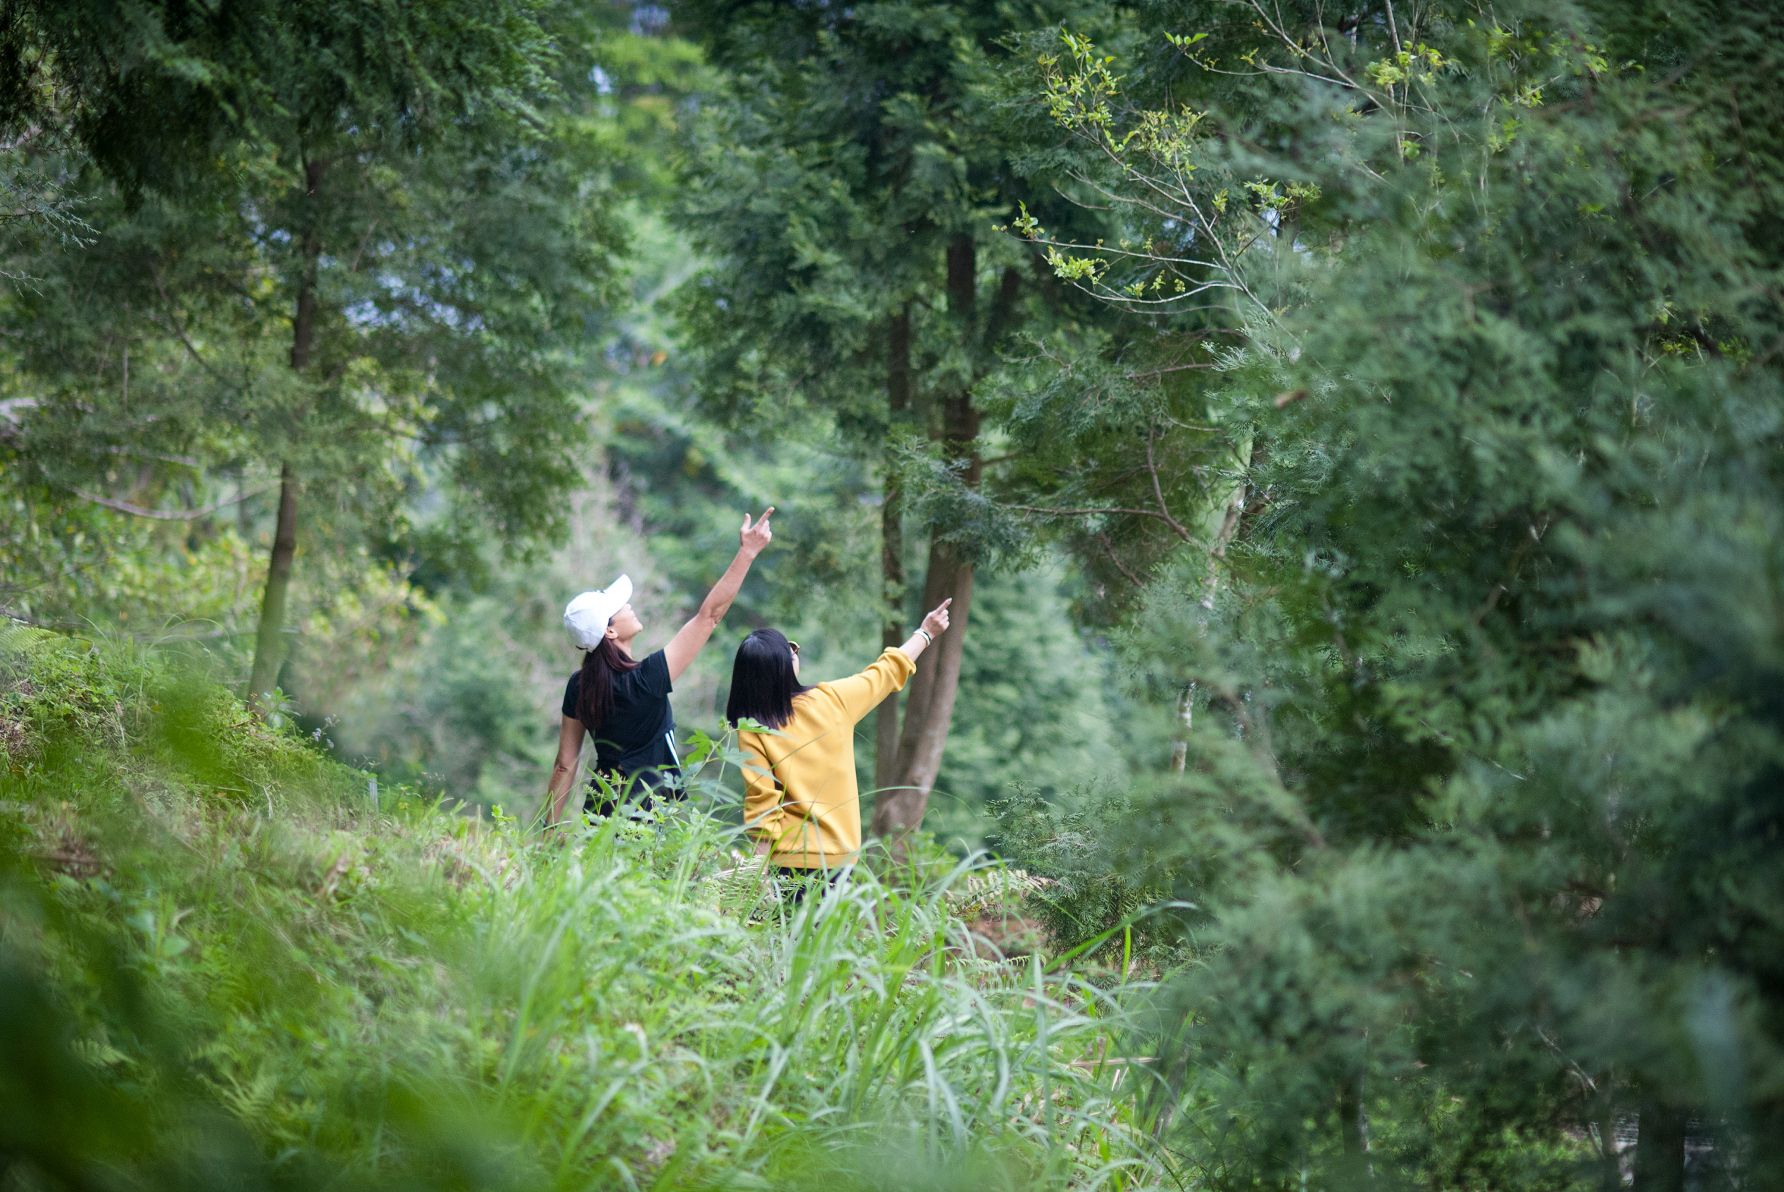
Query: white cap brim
point(586, 617)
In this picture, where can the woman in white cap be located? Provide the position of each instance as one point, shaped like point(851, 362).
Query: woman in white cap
point(622, 702)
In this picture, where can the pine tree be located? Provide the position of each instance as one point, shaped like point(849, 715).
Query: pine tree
point(1478, 831)
point(350, 233)
point(848, 183)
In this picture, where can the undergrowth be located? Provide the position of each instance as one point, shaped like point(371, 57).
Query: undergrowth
point(227, 961)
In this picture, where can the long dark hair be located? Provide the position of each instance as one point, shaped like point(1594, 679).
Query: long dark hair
point(595, 698)
point(762, 681)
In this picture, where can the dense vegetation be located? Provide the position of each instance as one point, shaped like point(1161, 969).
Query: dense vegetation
point(231, 962)
point(1351, 437)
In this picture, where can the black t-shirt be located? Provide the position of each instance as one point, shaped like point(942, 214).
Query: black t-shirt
point(637, 740)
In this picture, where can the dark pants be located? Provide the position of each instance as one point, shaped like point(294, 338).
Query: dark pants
point(622, 792)
point(794, 882)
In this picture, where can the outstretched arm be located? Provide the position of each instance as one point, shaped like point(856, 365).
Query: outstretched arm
point(860, 694)
point(689, 639)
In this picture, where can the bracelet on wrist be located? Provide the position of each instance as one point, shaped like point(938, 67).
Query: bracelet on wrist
point(928, 637)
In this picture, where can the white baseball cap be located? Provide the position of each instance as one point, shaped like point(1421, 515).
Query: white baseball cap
point(586, 616)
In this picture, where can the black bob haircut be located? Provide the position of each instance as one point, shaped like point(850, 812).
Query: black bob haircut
point(762, 681)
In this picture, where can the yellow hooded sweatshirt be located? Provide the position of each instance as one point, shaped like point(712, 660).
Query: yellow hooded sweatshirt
point(800, 793)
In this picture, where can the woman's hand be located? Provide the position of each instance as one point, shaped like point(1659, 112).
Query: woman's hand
point(691, 638)
point(754, 537)
point(936, 623)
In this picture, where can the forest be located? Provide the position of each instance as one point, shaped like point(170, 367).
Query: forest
point(1347, 442)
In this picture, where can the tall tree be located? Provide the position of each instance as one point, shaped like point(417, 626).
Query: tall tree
point(398, 190)
point(847, 183)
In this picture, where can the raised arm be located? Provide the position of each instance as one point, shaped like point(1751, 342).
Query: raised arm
point(862, 693)
point(563, 771)
point(698, 631)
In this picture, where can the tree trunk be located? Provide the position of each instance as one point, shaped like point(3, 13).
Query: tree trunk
point(929, 704)
point(269, 640)
point(898, 404)
point(1660, 1149)
point(1222, 525)
point(269, 646)
point(1610, 1157)
point(1186, 710)
point(1353, 1122)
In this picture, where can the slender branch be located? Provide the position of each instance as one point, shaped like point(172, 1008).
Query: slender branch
point(1197, 427)
point(1105, 511)
point(164, 514)
point(1201, 222)
point(179, 330)
point(1124, 252)
point(1158, 492)
point(1266, 68)
point(184, 461)
point(1109, 549)
point(1195, 366)
point(1282, 35)
point(1516, 565)
point(1112, 295)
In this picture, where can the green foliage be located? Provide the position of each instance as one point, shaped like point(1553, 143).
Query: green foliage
point(846, 184)
point(1097, 899)
point(244, 963)
point(1479, 813)
point(362, 259)
point(461, 694)
point(1040, 705)
point(1422, 438)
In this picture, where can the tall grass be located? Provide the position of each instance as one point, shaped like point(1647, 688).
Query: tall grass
point(244, 965)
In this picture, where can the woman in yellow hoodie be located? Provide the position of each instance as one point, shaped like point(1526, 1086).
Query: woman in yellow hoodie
point(801, 802)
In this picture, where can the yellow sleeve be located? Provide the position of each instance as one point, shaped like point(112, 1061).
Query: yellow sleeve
point(762, 814)
point(862, 693)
